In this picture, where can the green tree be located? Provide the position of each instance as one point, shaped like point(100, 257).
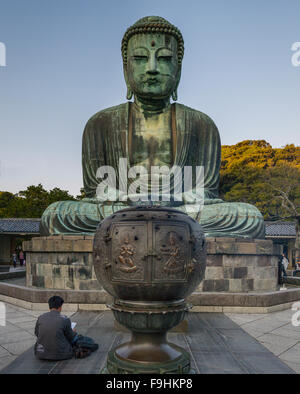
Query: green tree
point(244, 167)
point(6, 199)
point(283, 185)
point(30, 203)
point(255, 173)
point(81, 195)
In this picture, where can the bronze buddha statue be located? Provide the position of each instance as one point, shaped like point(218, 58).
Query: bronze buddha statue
point(150, 131)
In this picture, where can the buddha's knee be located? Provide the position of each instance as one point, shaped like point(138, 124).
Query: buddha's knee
point(232, 219)
point(249, 212)
point(69, 217)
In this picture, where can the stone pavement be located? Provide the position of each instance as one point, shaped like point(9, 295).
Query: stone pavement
point(217, 343)
point(276, 332)
point(16, 281)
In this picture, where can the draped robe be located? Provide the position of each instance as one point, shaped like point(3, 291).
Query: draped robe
point(106, 139)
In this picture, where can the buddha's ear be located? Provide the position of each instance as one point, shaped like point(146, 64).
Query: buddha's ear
point(129, 90)
point(174, 93)
point(129, 93)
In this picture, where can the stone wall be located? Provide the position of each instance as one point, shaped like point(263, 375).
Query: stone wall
point(237, 265)
point(5, 256)
point(233, 265)
point(61, 262)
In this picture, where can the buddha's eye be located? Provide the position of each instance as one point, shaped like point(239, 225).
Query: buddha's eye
point(166, 58)
point(140, 58)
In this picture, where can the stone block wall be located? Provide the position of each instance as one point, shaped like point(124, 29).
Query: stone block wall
point(237, 265)
point(61, 262)
point(233, 265)
point(5, 256)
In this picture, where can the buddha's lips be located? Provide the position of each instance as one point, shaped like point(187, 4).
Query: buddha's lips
point(151, 81)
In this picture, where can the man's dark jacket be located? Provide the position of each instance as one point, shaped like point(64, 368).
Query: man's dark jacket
point(54, 336)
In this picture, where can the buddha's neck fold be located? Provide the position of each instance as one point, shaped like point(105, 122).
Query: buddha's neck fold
point(152, 107)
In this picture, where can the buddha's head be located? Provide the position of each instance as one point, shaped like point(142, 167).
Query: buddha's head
point(152, 51)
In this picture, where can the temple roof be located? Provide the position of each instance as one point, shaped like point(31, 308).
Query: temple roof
point(31, 226)
point(20, 226)
point(281, 229)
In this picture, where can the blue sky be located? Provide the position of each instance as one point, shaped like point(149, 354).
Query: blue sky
point(64, 64)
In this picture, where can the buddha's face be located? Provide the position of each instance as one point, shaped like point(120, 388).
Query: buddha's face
point(152, 65)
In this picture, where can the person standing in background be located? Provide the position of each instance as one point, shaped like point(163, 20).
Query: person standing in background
point(285, 264)
point(280, 269)
point(14, 259)
point(21, 257)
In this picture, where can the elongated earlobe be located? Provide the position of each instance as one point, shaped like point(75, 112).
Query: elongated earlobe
point(129, 93)
point(174, 95)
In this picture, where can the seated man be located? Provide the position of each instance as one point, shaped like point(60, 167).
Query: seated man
point(54, 333)
point(151, 132)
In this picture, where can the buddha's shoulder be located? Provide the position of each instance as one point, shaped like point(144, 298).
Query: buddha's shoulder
point(194, 114)
point(109, 113)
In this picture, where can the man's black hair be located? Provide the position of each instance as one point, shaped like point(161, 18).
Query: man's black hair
point(55, 302)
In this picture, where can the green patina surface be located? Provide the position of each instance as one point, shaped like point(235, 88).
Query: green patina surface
point(150, 131)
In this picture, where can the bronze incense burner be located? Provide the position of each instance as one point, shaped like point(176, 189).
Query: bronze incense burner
point(149, 259)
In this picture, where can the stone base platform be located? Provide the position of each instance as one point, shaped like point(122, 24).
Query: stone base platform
point(254, 302)
point(61, 262)
point(241, 276)
point(233, 265)
point(240, 265)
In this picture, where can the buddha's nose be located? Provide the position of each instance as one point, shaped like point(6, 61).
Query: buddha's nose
point(152, 65)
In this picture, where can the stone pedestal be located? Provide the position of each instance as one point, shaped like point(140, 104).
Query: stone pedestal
point(233, 265)
point(61, 262)
point(236, 265)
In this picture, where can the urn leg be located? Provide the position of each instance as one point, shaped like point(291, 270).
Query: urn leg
point(148, 347)
point(148, 351)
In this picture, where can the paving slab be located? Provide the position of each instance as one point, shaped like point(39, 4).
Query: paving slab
point(27, 326)
point(276, 332)
point(285, 316)
point(18, 348)
point(20, 319)
point(14, 337)
point(254, 333)
point(216, 343)
point(3, 352)
point(278, 339)
point(263, 325)
point(294, 366)
point(276, 348)
point(8, 328)
point(242, 319)
point(292, 355)
point(287, 332)
point(6, 360)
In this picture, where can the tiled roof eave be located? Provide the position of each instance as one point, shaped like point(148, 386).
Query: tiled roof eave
point(281, 236)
